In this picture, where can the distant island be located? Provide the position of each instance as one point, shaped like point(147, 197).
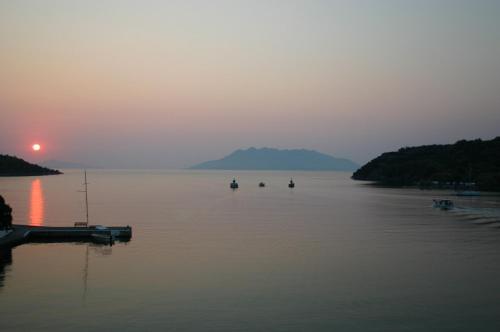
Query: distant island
point(58, 164)
point(275, 159)
point(475, 162)
point(13, 166)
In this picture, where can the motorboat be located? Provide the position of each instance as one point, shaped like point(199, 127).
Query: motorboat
point(262, 184)
point(291, 184)
point(234, 184)
point(443, 204)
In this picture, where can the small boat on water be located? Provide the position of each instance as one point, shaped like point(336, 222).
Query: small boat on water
point(291, 184)
point(103, 235)
point(443, 204)
point(234, 184)
point(100, 234)
point(262, 184)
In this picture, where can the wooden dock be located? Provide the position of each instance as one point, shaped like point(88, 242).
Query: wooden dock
point(24, 234)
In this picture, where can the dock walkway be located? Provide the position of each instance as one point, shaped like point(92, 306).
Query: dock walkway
point(23, 234)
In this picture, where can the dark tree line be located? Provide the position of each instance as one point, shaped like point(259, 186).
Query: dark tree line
point(13, 166)
point(464, 162)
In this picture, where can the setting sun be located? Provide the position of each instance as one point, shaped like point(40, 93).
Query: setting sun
point(36, 147)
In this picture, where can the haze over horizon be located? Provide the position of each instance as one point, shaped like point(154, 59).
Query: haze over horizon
point(151, 84)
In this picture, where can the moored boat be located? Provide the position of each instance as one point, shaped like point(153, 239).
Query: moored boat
point(103, 238)
point(234, 184)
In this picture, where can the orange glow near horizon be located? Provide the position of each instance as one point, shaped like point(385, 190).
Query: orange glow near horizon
point(36, 203)
point(170, 84)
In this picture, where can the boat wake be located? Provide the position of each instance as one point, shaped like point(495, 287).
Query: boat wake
point(479, 216)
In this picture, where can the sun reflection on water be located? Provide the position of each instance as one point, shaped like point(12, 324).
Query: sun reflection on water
point(36, 203)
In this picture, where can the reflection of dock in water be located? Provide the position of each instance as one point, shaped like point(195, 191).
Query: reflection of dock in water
point(24, 234)
point(97, 248)
point(85, 274)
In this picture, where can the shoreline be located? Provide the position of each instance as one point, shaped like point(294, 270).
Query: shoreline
point(377, 184)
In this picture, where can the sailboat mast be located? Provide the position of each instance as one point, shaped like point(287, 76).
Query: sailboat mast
point(86, 198)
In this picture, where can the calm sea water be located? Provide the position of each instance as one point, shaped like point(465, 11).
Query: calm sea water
point(330, 255)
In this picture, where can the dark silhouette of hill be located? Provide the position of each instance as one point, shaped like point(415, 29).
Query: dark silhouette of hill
point(13, 166)
point(465, 161)
point(274, 159)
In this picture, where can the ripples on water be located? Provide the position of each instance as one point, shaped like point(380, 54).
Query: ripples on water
point(331, 254)
point(480, 216)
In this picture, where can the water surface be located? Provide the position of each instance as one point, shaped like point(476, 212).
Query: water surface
point(331, 254)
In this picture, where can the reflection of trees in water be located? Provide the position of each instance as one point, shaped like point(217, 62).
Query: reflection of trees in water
point(5, 261)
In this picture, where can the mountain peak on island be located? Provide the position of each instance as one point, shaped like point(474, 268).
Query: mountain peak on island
point(276, 159)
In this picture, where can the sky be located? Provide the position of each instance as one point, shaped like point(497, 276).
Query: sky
point(167, 84)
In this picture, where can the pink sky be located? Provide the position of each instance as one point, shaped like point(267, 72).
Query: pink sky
point(149, 84)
